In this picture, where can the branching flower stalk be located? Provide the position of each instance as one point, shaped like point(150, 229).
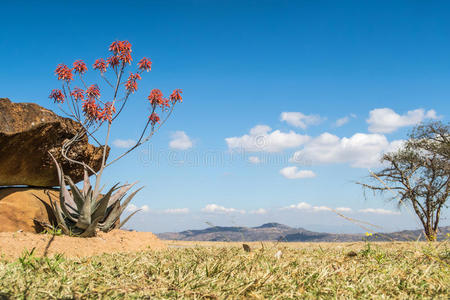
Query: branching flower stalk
point(85, 106)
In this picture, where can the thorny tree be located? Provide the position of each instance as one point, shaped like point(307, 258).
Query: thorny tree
point(418, 174)
point(81, 212)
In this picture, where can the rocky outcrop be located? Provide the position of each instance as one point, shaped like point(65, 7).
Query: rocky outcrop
point(22, 208)
point(27, 133)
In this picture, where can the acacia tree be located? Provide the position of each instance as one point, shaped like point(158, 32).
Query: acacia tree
point(418, 174)
point(82, 211)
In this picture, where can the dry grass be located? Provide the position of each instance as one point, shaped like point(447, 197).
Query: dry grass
point(223, 270)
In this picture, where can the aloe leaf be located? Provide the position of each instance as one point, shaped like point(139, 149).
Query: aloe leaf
point(90, 230)
point(78, 197)
point(126, 220)
point(64, 195)
point(59, 217)
point(84, 220)
point(102, 205)
point(121, 193)
point(75, 211)
point(112, 215)
point(86, 182)
point(125, 203)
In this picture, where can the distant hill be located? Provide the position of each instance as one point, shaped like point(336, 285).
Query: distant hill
point(280, 232)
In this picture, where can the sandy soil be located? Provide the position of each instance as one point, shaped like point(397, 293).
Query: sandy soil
point(13, 244)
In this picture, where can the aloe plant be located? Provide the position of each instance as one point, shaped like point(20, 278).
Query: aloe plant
point(82, 212)
point(79, 213)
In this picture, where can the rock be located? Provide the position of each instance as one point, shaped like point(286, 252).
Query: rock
point(27, 132)
point(19, 207)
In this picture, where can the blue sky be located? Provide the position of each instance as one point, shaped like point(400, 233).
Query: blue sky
point(379, 66)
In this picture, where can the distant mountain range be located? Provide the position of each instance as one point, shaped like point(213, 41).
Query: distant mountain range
point(280, 232)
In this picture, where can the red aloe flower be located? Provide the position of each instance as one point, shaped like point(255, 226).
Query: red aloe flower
point(64, 73)
point(100, 65)
point(113, 61)
point(57, 96)
point(176, 96)
point(155, 97)
point(131, 84)
point(93, 92)
point(120, 46)
point(107, 112)
point(91, 109)
point(154, 118)
point(121, 49)
point(165, 104)
point(115, 47)
point(80, 67)
point(125, 57)
point(77, 94)
point(145, 64)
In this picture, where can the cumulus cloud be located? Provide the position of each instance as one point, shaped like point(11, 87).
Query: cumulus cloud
point(361, 150)
point(180, 141)
point(124, 143)
point(262, 139)
point(379, 211)
point(342, 121)
point(260, 211)
point(214, 208)
point(306, 206)
point(295, 173)
point(131, 208)
point(297, 119)
point(343, 209)
point(254, 160)
point(385, 120)
point(176, 211)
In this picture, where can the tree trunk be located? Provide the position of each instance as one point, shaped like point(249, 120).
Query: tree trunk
point(430, 233)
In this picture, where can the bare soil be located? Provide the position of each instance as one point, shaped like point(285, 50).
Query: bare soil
point(13, 244)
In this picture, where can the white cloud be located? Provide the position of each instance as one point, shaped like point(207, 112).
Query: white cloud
point(214, 208)
point(176, 211)
point(300, 205)
point(131, 208)
point(261, 139)
point(124, 143)
point(385, 120)
point(298, 119)
point(361, 150)
point(343, 209)
point(180, 141)
point(254, 160)
point(260, 211)
point(295, 173)
point(307, 207)
point(342, 121)
point(379, 211)
point(321, 208)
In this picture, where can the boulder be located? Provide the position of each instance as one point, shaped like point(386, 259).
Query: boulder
point(21, 207)
point(27, 133)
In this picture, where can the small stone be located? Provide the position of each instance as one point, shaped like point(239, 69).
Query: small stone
point(246, 247)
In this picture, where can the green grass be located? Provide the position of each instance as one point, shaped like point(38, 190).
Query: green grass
point(378, 270)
